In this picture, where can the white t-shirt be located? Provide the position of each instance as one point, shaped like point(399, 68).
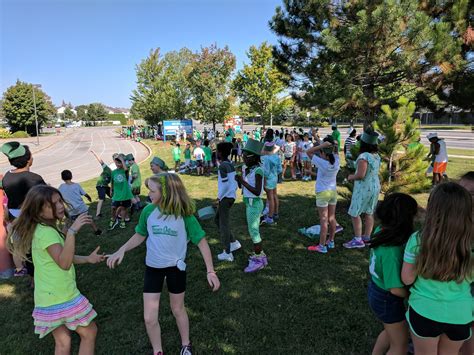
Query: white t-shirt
point(250, 179)
point(304, 147)
point(442, 156)
point(327, 173)
point(198, 153)
point(288, 149)
point(226, 184)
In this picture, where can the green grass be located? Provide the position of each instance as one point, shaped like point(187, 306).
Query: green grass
point(446, 127)
point(302, 303)
point(457, 151)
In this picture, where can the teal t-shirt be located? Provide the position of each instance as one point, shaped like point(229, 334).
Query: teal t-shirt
point(441, 301)
point(176, 153)
point(245, 138)
point(122, 191)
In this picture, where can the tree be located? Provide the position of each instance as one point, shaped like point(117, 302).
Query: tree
point(18, 107)
point(352, 57)
point(402, 153)
point(210, 81)
point(81, 112)
point(163, 90)
point(259, 82)
point(69, 114)
point(96, 112)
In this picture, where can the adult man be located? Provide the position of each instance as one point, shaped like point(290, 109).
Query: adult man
point(439, 157)
point(16, 184)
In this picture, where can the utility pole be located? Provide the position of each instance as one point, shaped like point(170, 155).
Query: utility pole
point(36, 115)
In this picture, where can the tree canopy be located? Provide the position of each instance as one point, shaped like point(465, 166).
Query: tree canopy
point(18, 107)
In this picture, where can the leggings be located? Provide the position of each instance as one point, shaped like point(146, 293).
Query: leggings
point(253, 211)
point(222, 220)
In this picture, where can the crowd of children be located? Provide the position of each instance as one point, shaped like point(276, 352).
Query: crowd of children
point(429, 267)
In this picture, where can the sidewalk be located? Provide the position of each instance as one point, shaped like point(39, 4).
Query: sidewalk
point(45, 142)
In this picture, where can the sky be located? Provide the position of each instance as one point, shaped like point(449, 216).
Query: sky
point(84, 51)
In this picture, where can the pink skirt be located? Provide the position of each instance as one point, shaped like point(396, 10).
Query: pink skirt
point(75, 313)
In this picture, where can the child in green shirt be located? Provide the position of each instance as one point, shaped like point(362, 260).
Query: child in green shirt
point(187, 155)
point(386, 291)
point(207, 158)
point(177, 156)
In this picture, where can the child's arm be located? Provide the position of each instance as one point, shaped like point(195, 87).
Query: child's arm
point(212, 278)
point(361, 171)
point(408, 273)
point(98, 158)
point(258, 184)
point(64, 255)
point(117, 257)
point(310, 152)
point(92, 258)
point(399, 291)
point(88, 197)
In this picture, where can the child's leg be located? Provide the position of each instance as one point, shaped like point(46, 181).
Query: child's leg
point(323, 222)
point(382, 344)
point(357, 226)
point(447, 346)
point(62, 341)
point(271, 205)
point(88, 335)
point(332, 221)
point(276, 202)
point(224, 222)
point(285, 165)
point(123, 213)
point(369, 224)
point(113, 214)
point(151, 307)
point(181, 316)
point(398, 337)
point(468, 346)
point(425, 346)
point(293, 172)
point(253, 213)
point(99, 207)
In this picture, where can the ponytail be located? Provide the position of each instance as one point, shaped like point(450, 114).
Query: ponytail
point(331, 158)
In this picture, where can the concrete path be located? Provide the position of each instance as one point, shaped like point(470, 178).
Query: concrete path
point(72, 151)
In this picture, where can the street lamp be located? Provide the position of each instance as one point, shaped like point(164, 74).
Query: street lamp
point(36, 116)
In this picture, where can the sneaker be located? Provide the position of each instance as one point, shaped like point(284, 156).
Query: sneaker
point(20, 273)
point(319, 248)
point(365, 239)
point(255, 263)
point(113, 224)
point(122, 225)
point(186, 350)
point(354, 243)
point(264, 260)
point(265, 211)
point(330, 244)
point(225, 257)
point(267, 220)
point(235, 246)
point(98, 232)
point(339, 228)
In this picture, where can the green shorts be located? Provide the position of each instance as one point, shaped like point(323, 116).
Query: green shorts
point(325, 198)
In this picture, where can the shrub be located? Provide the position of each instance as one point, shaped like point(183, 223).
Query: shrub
point(20, 134)
point(5, 133)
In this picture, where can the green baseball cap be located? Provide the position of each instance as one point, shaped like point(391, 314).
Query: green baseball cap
point(370, 138)
point(13, 150)
point(129, 157)
point(253, 146)
point(159, 162)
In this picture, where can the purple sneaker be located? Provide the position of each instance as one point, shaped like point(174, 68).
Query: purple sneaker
point(264, 260)
point(354, 243)
point(339, 229)
point(20, 273)
point(365, 239)
point(255, 263)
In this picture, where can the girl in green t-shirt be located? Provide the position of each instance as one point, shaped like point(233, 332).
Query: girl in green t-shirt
point(438, 265)
point(386, 291)
point(167, 224)
point(59, 306)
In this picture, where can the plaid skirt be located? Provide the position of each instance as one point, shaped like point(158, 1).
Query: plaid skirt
point(77, 312)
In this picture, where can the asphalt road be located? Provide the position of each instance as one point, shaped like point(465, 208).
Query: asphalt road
point(459, 139)
point(73, 153)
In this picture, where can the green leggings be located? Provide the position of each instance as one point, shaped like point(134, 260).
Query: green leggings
point(253, 211)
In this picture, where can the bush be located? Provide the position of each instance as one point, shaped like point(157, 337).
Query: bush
point(20, 134)
point(5, 133)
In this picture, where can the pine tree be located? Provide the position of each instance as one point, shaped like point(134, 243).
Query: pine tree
point(403, 168)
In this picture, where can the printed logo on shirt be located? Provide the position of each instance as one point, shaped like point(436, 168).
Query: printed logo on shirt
point(119, 178)
point(164, 230)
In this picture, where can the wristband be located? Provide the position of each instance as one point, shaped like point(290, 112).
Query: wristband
point(72, 230)
point(211, 272)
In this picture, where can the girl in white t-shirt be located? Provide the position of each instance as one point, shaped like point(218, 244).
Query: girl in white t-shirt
point(167, 224)
point(289, 155)
point(326, 193)
point(305, 145)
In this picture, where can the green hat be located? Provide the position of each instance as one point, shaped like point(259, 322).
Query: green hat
point(370, 138)
point(13, 150)
point(159, 162)
point(253, 146)
point(129, 157)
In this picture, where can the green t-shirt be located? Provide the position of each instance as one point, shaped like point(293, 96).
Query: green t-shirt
point(105, 176)
point(441, 301)
point(257, 135)
point(176, 154)
point(207, 153)
point(337, 136)
point(53, 285)
point(386, 265)
point(122, 191)
point(136, 176)
point(187, 153)
point(245, 138)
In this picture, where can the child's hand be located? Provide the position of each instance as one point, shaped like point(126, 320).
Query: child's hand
point(81, 221)
point(238, 178)
point(115, 258)
point(213, 281)
point(95, 258)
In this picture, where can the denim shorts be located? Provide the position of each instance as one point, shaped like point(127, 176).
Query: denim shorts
point(387, 307)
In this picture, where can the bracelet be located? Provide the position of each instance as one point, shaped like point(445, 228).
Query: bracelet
point(72, 230)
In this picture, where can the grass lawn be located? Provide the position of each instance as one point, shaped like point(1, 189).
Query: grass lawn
point(302, 303)
point(457, 151)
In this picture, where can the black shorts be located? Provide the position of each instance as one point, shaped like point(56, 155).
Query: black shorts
point(126, 203)
point(288, 158)
point(426, 328)
point(199, 163)
point(102, 191)
point(154, 278)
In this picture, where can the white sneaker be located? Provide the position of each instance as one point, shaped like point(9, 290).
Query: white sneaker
point(225, 257)
point(235, 246)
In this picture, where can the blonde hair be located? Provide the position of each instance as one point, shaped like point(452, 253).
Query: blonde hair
point(445, 248)
point(23, 228)
point(174, 197)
